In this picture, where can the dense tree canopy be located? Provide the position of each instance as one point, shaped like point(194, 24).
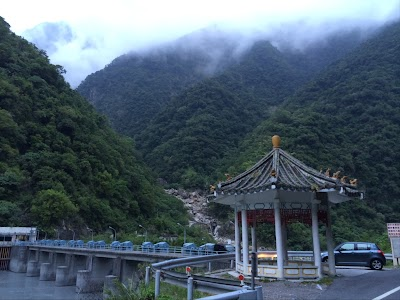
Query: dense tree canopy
point(193, 120)
point(335, 104)
point(61, 164)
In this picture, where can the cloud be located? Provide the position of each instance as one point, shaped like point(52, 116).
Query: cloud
point(87, 35)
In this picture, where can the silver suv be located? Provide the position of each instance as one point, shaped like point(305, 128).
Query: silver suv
point(361, 254)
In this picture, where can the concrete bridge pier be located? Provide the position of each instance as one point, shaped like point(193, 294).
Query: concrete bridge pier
point(46, 272)
point(109, 286)
point(18, 259)
point(129, 272)
point(62, 276)
point(33, 269)
point(48, 267)
point(86, 284)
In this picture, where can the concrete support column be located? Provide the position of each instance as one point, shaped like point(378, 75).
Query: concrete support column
point(110, 287)
point(46, 272)
point(33, 255)
point(89, 262)
point(32, 269)
point(245, 241)
point(18, 259)
point(278, 236)
point(237, 239)
point(83, 282)
point(315, 235)
point(117, 266)
point(329, 241)
point(62, 276)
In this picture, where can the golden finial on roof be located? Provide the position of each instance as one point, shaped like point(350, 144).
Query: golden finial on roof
point(276, 141)
point(344, 179)
point(336, 175)
point(353, 181)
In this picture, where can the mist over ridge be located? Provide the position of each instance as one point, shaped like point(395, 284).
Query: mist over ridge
point(82, 53)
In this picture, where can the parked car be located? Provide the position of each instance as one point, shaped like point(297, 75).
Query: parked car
point(230, 248)
point(361, 254)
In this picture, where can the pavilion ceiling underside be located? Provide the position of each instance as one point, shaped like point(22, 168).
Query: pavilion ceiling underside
point(287, 216)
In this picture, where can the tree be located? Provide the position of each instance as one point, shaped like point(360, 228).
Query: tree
point(50, 207)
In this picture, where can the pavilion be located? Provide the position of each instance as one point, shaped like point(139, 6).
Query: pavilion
point(280, 189)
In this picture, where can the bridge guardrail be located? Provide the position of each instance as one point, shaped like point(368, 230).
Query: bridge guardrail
point(127, 246)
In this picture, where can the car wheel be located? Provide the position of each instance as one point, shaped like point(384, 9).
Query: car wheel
point(376, 264)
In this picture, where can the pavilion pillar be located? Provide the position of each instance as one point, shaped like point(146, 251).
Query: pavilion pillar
point(237, 239)
point(315, 235)
point(278, 235)
point(284, 243)
point(245, 241)
point(253, 233)
point(329, 241)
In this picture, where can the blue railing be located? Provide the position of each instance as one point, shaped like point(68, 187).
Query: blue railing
point(161, 247)
point(147, 247)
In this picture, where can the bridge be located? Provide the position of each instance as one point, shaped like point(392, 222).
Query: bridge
point(89, 268)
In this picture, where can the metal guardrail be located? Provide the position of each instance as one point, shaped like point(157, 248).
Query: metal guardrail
point(293, 255)
point(133, 248)
point(224, 288)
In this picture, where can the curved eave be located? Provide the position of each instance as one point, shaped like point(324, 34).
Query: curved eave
point(285, 195)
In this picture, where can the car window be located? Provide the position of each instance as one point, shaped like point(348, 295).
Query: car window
point(347, 247)
point(363, 246)
point(374, 247)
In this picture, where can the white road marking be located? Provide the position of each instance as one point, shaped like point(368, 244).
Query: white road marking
point(387, 294)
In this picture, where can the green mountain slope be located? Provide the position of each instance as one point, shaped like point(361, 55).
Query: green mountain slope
point(136, 86)
point(347, 119)
point(185, 142)
point(187, 105)
point(61, 165)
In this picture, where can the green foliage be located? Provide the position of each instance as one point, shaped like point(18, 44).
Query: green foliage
point(132, 291)
point(60, 161)
point(346, 119)
point(50, 207)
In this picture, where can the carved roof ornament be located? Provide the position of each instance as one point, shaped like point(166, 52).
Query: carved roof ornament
point(280, 171)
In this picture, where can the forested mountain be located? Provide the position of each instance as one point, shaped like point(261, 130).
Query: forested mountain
point(135, 87)
point(335, 105)
point(61, 164)
point(184, 128)
point(347, 119)
point(185, 142)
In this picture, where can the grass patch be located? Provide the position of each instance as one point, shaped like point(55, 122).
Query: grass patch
point(142, 292)
point(327, 280)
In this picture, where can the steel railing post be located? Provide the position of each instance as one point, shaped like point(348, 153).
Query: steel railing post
point(259, 292)
point(147, 278)
point(190, 288)
point(157, 284)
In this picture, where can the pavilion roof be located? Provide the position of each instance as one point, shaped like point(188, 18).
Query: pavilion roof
point(278, 170)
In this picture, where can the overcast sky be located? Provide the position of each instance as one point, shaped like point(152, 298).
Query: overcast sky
point(104, 30)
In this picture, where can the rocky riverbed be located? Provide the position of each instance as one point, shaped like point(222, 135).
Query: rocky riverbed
point(196, 204)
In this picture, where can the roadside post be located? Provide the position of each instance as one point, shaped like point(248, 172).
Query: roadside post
point(241, 278)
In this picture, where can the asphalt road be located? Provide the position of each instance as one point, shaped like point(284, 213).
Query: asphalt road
point(363, 284)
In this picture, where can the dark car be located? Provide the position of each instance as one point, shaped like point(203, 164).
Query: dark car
point(361, 254)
